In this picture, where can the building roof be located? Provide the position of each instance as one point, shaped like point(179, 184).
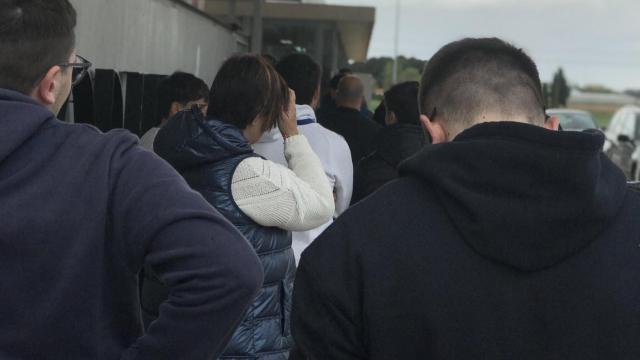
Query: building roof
point(354, 23)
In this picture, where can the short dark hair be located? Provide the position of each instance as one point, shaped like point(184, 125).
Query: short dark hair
point(35, 35)
point(245, 87)
point(335, 80)
point(402, 99)
point(471, 76)
point(302, 74)
point(179, 87)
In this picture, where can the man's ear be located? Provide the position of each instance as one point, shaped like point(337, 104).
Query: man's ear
point(437, 132)
point(390, 118)
point(316, 98)
point(175, 108)
point(553, 123)
point(47, 89)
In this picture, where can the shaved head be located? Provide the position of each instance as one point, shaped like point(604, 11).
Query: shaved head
point(350, 92)
point(476, 80)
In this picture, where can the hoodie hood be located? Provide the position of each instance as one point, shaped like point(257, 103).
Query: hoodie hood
point(189, 140)
point(20, 119)
point(523, 195)
point(397, 142)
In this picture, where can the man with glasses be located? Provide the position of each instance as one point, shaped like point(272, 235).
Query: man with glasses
point(175, 93)
point(82, 212)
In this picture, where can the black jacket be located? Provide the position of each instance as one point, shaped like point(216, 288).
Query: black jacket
point(358, 131)
point(81, 212)
point(511, 242)
point(207, 153)
point(393, 144)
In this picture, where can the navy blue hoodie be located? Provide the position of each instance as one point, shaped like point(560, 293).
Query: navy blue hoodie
point(81, 212)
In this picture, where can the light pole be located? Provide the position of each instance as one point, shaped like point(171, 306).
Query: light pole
point(256, 33)
point(395, 50)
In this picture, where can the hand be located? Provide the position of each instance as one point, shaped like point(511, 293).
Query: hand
point(288, 123)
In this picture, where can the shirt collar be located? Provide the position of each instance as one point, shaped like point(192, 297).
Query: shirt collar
point(305, 115)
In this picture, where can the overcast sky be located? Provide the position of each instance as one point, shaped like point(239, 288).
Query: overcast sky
point(595, 41)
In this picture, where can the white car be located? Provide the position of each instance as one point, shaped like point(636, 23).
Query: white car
point(622, 137)
point(573, 120)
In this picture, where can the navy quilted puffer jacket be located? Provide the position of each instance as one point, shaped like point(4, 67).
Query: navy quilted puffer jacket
point(206, 152)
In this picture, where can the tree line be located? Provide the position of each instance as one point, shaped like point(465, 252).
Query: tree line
point(556, 92)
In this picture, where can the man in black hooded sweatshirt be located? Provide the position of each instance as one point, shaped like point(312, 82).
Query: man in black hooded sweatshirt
point(507, 239)
point(399, 139)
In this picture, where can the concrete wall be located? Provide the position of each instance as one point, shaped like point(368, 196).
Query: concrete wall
point(152, 36)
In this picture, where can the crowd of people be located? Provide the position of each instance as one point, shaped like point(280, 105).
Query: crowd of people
point(263, 220)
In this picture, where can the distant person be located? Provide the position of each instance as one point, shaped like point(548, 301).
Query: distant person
point(347, 120)
point(328, 101)
point(264, 200)
point(176, 92)
point(302, 74)
point(364, 109)
point(380, 114)
point(402, 137)
point(82, 211)
point(506, 239)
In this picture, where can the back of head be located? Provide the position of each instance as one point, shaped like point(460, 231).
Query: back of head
point(35, 35)
point(180, 88)
point(402, 100)
point(350, 91)
point(302, 74)
point(246, 87)
point(476, 80)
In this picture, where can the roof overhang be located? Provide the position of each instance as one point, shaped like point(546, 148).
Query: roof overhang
point(354, 23)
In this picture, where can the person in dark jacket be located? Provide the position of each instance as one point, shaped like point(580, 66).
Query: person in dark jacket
point(399, 139)
point(348, 121)
point(82, 211)
point(504, 240)
point(328, 101)
point(264, 200)
point(380, 114)
point(176, 92)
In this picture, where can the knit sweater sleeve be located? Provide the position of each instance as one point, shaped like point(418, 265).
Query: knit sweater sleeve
point(298, 198)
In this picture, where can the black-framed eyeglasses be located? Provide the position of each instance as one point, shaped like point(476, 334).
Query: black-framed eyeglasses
point(80, 69)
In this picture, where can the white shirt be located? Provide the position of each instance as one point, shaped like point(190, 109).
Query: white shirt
point(149, 137)
point(334, 155)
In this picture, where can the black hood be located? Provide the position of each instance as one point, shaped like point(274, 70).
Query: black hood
point(523, 195)
point(397, 142)
point(189, 140)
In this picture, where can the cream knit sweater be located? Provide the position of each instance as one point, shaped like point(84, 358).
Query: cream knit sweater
point(297, 198)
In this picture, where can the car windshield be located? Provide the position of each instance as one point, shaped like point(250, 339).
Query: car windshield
point(576, 121)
